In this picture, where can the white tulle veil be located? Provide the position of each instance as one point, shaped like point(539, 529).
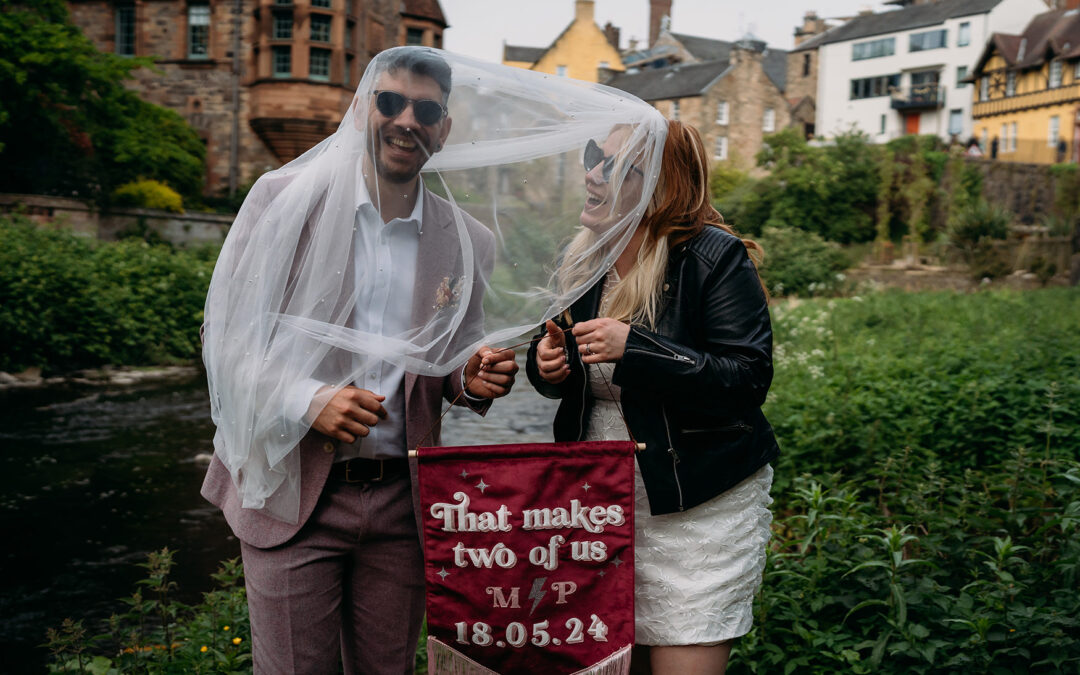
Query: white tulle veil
point(510, 177)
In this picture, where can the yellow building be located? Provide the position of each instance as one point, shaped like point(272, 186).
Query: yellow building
point(1027, 93)
point(582, 51)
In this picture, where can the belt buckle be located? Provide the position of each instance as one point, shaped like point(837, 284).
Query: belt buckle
point(349, 478)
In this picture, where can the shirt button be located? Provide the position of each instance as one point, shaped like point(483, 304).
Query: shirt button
point(328, 446)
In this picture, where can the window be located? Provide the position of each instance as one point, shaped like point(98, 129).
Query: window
point(282, 61)
point(961, 74)
point(720, 151)
point(806, 65)
point(881, 129)
point(984, 88)
point(1003, 146)
point(963, 36)
point(722, 112)
point(319, 68)
point(1052, 134)
point(1010, 84)
point(1076, 72)
point(198, 31)
point(1012, 138)
point(125, 30)
point(956, 121)
point(768, 122)
point(872, 87)
point(320, 28)
point(984, 142)
point(1055, 74)
point(873, 49)
point(414, 36)
point(560, 71)
point(283, 25)
point(321, 3)
point(604, 64)
point(933, 39)
point(348, 70)
point(675, 110)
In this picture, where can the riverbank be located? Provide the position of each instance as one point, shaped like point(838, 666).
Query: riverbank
point(31, 378)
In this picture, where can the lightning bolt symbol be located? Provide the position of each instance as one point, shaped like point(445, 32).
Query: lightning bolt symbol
point(537, 593)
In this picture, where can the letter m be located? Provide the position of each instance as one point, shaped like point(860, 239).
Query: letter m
point(499, 600)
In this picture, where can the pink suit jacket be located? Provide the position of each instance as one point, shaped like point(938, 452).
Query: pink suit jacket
point(424, 395)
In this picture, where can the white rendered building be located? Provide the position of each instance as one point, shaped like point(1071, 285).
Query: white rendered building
point(900, 72)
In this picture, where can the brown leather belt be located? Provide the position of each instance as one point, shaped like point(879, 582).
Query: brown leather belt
point(363, 470)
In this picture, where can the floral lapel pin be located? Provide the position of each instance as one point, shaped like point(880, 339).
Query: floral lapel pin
point(448, 294)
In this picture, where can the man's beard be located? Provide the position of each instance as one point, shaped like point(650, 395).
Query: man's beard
point(394, 172)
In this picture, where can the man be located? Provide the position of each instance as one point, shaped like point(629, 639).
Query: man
point(346, 582)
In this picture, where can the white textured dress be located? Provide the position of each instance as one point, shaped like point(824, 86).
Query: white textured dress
point(696, 572)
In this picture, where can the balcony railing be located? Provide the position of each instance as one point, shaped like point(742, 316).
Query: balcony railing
point(918, 96)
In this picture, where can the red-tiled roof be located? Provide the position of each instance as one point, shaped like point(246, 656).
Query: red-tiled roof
point(424, 9)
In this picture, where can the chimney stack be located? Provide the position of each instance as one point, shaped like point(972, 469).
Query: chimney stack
point(583, 10)
point(611, 32)
point(658, 9)
point(812, 25)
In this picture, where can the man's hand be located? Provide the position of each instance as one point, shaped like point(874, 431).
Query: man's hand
point(490, 372)
point(601, 340)
point(350, 414)
point(551, 355)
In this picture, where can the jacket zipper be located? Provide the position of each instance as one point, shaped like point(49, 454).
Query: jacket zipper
point(671, 354)
point(674, 457)
point(584, 393)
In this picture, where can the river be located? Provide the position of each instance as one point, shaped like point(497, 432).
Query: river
point(93, 479)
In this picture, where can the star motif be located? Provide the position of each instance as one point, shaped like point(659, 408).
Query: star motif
point(616, 562)
point(464, 473)
point(443, 573)
point(601, 573)
point(482, 485)
point(586, 486)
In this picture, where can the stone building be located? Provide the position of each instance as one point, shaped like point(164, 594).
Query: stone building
point(802, 72)
point(583, 51)
point(261, 81)
point(733, 102)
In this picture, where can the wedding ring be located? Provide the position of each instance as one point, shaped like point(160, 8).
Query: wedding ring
point(588, 348)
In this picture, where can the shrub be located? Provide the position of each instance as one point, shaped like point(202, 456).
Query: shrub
point(800, 263)
point(724, 178)
point(148, 194)
point(68, 303)
point(975, 226)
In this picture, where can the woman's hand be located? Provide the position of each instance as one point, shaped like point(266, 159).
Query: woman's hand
point(601, 340)
point(551, 355)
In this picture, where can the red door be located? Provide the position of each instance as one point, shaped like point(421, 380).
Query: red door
point(911, 124)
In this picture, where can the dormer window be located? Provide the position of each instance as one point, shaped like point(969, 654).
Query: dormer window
point(1055, 74)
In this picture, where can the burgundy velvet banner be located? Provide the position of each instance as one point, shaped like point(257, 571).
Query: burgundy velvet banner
point(529, 557)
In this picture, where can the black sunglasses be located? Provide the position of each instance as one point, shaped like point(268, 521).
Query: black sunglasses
point(594, 155)
point(391, 104)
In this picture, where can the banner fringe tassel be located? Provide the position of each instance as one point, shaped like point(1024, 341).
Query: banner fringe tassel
point(445, 660)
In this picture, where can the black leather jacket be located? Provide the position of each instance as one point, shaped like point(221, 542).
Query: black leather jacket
point(692, 389)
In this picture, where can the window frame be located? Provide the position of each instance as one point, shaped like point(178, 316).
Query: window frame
point(916, 41)
point(720, 149)
point(411, 32)
point(958, 115)
point(873, 49)
point(961, 74)
point(963, 34)
point(275, 52)
point(1058, 68)
point(196, 13)
point(1053, 131)
point(279, 21)
point(125, 26)
point(723, 113)
point(323, 54)
point(768, 121)
point(1010, 83)
point(322, 20)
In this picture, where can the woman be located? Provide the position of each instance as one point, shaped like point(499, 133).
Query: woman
point(677, 334)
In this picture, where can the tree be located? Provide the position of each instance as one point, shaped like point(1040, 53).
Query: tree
point(67, 124)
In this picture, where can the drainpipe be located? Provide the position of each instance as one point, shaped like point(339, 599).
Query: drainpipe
point(234, 141)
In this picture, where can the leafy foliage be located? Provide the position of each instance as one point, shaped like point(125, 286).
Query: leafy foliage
point(69, 303)
point(67, 124)
point(150, 194)
point(800, 263)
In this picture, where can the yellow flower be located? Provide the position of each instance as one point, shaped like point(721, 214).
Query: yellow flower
point(204, 649)
point(237, 640)
point(225, 628)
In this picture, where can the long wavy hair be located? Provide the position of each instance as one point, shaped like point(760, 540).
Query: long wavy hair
point(679, 210)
